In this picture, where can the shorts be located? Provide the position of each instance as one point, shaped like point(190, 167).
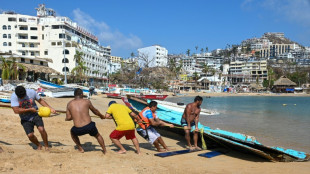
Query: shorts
point(87, 129)
point(29, 125)
point(129, 134)
point(184, 123)
point(151, 132)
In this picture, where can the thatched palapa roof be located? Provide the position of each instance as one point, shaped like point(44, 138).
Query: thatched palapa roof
point(39, 68)
point(284, 81)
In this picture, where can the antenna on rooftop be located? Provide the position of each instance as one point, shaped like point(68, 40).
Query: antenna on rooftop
point(42, 11)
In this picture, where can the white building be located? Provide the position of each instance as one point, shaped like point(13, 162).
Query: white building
point(153, 56)
point(49, 36)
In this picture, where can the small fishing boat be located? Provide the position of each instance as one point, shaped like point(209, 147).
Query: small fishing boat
point(221, 138)
point(5, 99)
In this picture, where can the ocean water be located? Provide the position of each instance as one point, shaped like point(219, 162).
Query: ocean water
point(274, 121)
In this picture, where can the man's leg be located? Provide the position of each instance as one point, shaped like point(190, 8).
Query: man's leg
point(119, 145)
point(196, 140)
point(188, 137)
point(77, 142)
point(136, 144)
point(161, 141)
point(101, 142)
point(34, 140)
point(44, 136)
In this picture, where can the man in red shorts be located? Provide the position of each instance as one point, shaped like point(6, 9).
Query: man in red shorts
point(124, 125)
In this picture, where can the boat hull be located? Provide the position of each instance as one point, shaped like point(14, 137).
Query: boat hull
point(113, 95)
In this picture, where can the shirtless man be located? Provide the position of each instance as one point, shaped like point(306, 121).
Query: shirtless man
point(78, 111)
point(190, 118)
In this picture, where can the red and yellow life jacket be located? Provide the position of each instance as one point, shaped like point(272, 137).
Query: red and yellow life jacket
point(146, 121)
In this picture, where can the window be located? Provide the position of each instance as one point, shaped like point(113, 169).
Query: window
point(41, 63)
point(59, 43)
point(9, 36)
point(22, 59)
point(31, 61)
point(9, 27)
point(45, 52)
point(65, 69)
point(22, 20)
point(23, 45)
point(42, 36)
point(23, 53)
point(34, 37)
point(5, 36)
point(66, 51)
point(12, 19)
point(53, 43)
point(61, 35)
point(32, 54)
point(42, 28)
point(5, 44)
point(10, 44)
point(33, 28)
point(23, 28)
point(4, 27)
point(32, 45)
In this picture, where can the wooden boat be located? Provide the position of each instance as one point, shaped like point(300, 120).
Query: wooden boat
point(226, 139)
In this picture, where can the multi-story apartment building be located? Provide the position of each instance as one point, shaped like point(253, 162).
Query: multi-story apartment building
point(247, 72)
point(57, 38)
point(116, 59)
point(153, 56)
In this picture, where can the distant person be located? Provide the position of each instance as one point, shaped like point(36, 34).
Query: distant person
point(124, 125)
point(78, 111)
point(146, 129)
point(23, 103)
point(91, 91)
point(190, 118)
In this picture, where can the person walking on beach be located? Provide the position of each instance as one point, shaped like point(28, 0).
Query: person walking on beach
point(146, 129)
point(124, 125)
point(190, 118)
point(78, 111)
point(23, 103)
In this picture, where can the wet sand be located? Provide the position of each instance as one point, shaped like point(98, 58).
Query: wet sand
point(20, 157)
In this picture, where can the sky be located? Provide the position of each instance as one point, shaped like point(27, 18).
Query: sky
point(178, 25)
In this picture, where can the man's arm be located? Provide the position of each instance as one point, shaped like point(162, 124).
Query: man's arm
point(95, 111)
point(135, 116)
point(43, 103)
point(108, 116)
point(187, 114)
point(158, 122)
point(197, 120)
point(18, 110)
point(68, 114)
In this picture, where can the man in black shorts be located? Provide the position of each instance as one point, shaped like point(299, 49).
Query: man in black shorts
point(23, 103)
point(78, 111)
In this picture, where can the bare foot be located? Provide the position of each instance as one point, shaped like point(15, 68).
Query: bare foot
point(161, 150)
point(80, 148)
point(46, 148)
point(39, 147)
point(104, 151)
point(138, 152)
point(121, 151)
point(197, 148)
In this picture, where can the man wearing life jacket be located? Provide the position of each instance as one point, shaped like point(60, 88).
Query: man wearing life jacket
point(146, 129)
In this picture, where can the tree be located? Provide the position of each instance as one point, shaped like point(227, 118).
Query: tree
point(10, 69)
point(14, 66)
point(188, 52)
point(201, 50)
point(78, 57)
point(145, 59)
point(207, 49)
point(205, 69)
point(196, 76)
point(270, 77)
point(196, 48)
point(5, 66)
point(132, 54)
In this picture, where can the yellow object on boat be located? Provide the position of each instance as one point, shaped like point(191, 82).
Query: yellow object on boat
point(44, 112)
point(284, 104)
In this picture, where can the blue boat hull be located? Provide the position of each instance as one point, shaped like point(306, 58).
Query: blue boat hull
point(226, 139)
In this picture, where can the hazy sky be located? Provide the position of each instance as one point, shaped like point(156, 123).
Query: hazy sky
point(178, 25)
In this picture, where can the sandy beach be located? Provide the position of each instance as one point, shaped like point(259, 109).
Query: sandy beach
point(20, 157)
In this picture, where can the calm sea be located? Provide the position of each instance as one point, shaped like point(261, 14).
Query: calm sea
point(274, 121)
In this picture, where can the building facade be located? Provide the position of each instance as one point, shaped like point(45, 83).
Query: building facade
point(57, 38)
point(153, 56)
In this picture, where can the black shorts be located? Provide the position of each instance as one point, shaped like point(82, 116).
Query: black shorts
point(184, 123)
point(87, 129)
point(29, 125)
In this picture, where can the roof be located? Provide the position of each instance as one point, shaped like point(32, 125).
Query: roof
point(284, 81)
point(39, 68)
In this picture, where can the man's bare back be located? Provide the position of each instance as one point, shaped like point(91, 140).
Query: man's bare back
point(79, 111)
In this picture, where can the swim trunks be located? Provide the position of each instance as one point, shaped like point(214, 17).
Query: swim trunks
point(184, 123)
point(129, 134)
point(151, 135)
point(29, 125)
point(87, 129)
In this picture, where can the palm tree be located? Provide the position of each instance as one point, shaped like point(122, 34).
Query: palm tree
point(79, 70)
point(14, 66)
point(6, 71)
point(213, 73)
point(270, 77)
point(201, 50)
point(132, 54)
point(78, 57)
point(207, 49)
point(196, 76)
point(205, 68)
point(196, 48)
point(188, 52)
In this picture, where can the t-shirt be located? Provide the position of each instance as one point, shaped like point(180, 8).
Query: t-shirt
point(121, 117)
point(148, 114)
point(27, 102)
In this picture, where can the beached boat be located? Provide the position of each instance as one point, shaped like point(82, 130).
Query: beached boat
point(5, 98)
point(221, 138)
point(139, 93)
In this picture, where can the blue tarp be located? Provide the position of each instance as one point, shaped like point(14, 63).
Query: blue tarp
point(289, 89)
